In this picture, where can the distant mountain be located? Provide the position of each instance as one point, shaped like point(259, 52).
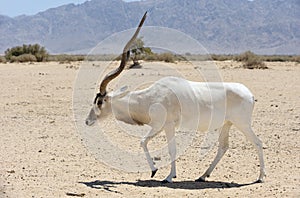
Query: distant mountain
point(222, 26)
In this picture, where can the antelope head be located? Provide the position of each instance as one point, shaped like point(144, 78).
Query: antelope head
point(102, 101)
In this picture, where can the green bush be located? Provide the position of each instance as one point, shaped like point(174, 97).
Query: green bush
point(24, 58)
point(35, 50)
point(251, 60)
point(2, 59)
point(139, 51)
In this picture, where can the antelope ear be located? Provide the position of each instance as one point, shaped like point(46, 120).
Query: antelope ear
point(120, 93)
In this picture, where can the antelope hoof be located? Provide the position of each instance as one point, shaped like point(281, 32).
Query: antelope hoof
point(259, 181)
point(165, 181)
point(153, 173)
point(200, 179)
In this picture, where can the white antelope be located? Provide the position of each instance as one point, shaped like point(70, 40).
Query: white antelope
point(170, 101)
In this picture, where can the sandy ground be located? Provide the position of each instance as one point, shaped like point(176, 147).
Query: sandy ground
point(42, 154)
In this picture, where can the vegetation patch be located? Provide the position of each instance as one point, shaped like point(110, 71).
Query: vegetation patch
point(251, 60)
point(2, 59)
point(26, 53)
point(23, 58)
point(37, 53)
point(65, 58)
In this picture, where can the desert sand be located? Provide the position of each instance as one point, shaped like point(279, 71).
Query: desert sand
point(42, 154)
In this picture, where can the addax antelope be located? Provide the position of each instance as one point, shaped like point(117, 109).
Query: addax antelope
point(172, 101)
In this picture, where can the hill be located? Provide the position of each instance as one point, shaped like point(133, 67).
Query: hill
point(222, 26)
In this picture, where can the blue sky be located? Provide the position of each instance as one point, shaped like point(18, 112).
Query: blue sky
point(14, 8)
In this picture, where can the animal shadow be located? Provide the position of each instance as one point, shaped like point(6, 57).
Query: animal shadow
point(187, 185)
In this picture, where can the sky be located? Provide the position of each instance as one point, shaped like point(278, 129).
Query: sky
point(14, 8)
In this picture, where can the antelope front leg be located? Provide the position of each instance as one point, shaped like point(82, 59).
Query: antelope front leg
point(170, 133)
point(144, 143)
point(157, 113)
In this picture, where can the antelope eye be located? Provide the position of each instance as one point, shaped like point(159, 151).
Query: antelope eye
point(99, 102)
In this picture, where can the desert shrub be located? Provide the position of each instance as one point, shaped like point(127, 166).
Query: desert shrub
point(24, 58)
point(296, 59)
point(198, 57)
point(35, 50)
point(65, 58)
point(251, 60)
point(151, 57)
point(166, 57)
point(276, 58)
point(139, 51)
point(243, 57)
point(221, 57)
point(2, 59)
